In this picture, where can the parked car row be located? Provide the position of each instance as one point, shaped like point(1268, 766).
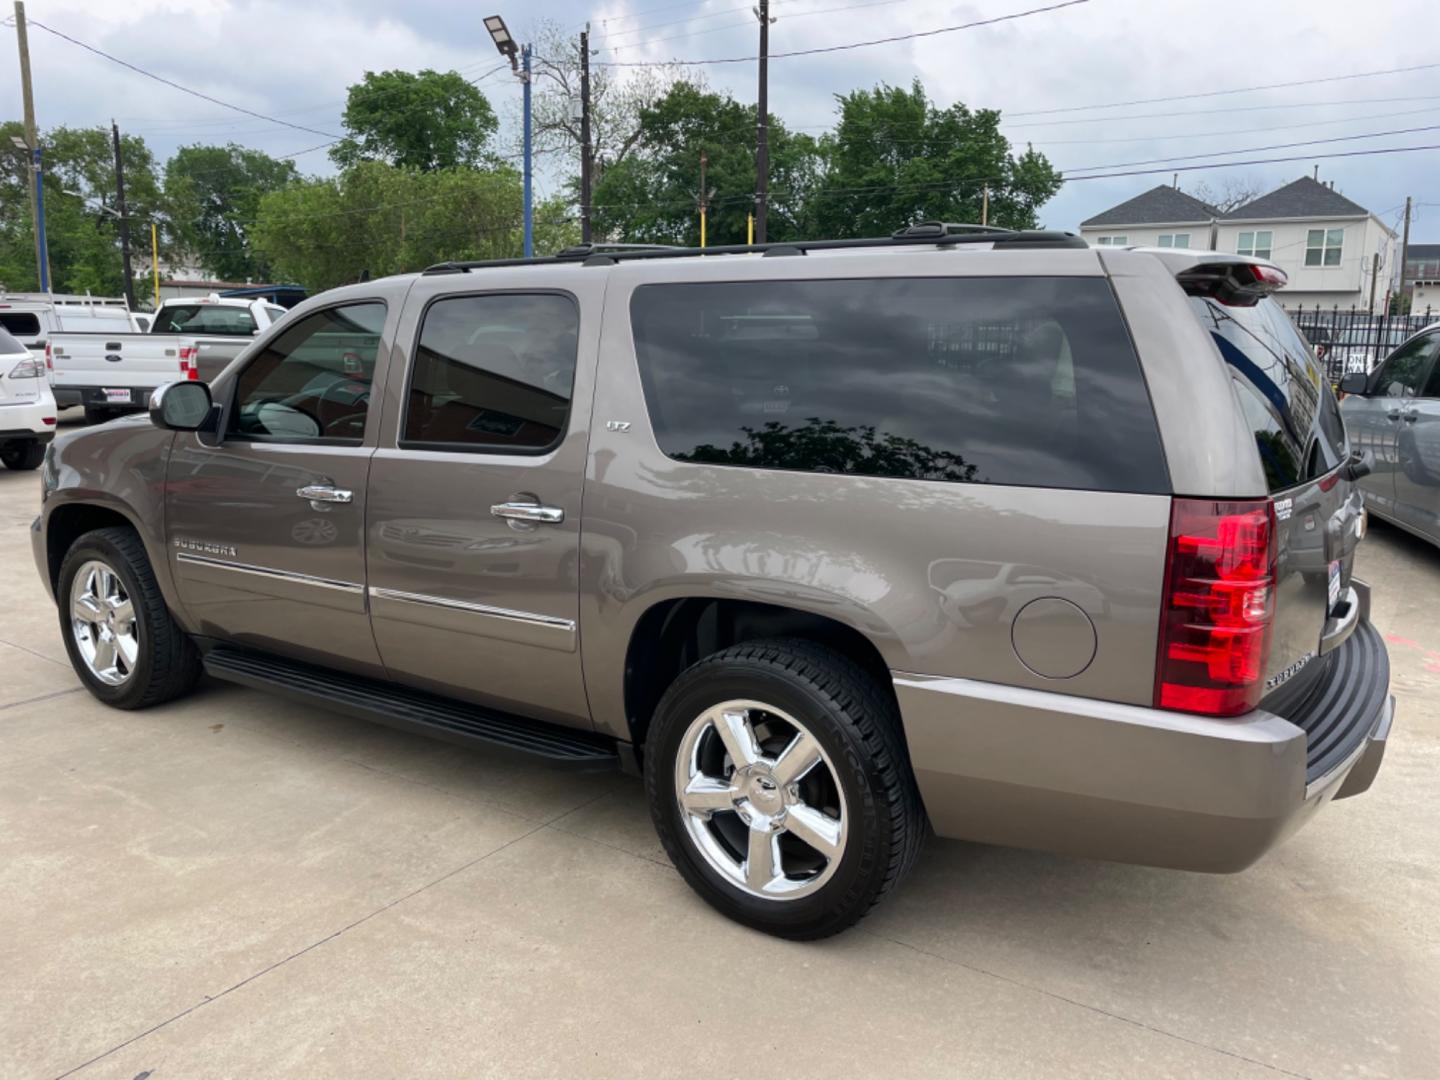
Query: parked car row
point(1040, 545)
point(1393, 415)
point(99, 355)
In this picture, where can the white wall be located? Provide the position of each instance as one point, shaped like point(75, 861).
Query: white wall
point(1427, 295)
point(1149, 235)
point(1347, 284)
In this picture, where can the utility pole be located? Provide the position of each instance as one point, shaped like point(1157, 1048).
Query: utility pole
point(122, 218)
point(1405, 246)
point(762, 124)
point(704, 202)
point(1374, 278)
point(586, 166)
point(32, 143)
point(985, 206)
point(529, 209)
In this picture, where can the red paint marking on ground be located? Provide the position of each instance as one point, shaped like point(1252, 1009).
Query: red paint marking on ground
point(1396, 639)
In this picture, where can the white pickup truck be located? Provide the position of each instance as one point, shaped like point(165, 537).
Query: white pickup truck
point(110, 372)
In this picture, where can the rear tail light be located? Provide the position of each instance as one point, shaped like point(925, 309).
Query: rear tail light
point(29, 368)
point(49, 361)
point(188, 367)
point(1218, 606)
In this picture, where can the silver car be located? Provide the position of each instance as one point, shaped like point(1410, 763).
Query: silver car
point(1394, 416)
point(970, 530)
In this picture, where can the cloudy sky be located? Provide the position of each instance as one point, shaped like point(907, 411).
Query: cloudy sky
point(293, 61)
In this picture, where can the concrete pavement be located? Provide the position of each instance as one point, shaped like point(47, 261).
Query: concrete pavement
point(235, 885)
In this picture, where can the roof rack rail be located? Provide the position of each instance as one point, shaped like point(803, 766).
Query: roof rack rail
point(944, 228)
point(610, 254)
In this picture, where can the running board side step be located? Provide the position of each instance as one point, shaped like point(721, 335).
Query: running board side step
point(410, 710)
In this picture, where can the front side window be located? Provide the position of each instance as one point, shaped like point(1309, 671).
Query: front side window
point(1257, 243)
point(312, 381)
point(1174, 240)
point(493, 373)
point(1112, 241)
point(205, 319)
point(1406, 369)
point(1022, 381)
point(1323, 247)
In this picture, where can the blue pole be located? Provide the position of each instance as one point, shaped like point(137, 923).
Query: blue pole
point(40, 220)
point(529, 220)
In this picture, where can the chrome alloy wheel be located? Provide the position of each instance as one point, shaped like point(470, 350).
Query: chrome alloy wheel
point(102, 621)
point(761, 800)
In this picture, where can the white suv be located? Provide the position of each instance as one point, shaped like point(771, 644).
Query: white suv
point(27, 408)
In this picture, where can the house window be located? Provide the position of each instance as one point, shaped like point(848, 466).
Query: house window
point(1175, 240)
point(1322, 247)
point(1112, 241)
point(1257, 244)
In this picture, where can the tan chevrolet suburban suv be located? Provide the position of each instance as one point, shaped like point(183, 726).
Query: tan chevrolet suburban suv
point(982, 531)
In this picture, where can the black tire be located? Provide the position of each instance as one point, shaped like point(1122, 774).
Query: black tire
point(22, 456)
point(96, 415)
point(168, 664)
point(856, 723)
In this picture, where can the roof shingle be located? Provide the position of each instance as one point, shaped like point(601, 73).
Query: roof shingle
point(1161, 205)
point(1303, 198)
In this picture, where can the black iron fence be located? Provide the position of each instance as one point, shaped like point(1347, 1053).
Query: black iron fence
point(1353, 339)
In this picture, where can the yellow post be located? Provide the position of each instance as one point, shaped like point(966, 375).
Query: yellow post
point(750, 229)
point(155, 264)
point(702, 228)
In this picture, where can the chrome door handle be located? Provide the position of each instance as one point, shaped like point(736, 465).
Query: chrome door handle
point(534, 513)
point(325, 493)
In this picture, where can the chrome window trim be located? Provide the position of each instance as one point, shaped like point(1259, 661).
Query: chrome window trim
point(270, 572)
point(510, 614)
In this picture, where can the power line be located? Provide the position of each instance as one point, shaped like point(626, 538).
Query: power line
point(1211, 112)
point(1262, 149)
point(185, 89)
point(851, 45)
point(1223, 93)
point(727, 26)
point(1257, 161)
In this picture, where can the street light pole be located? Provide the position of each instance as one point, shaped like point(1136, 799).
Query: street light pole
point(40, 220)
point(762, 124)
point(586, 167)
point(511, 50)
point(529, 209)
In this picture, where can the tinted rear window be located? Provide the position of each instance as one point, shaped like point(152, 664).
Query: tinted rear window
point(20, 323)
point(1283, 392)
point(1024, 381)
point(204, 319)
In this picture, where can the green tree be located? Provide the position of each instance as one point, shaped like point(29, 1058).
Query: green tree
point(895, 158)
point(378, 219)
point(82, 238)
point(213, 196)
point(429, 120)
point(653, 194)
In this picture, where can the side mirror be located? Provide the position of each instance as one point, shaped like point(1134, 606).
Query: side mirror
point(1354, 382)
point(180, 406)
point(1358, 465)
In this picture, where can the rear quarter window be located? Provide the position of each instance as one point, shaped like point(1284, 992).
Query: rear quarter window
point(1282, 391)
point(1019, 381)
point(20, 323)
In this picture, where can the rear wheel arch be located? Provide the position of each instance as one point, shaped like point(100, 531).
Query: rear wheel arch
point(674, 634)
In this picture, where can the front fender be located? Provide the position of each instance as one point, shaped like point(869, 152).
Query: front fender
point(119, 469)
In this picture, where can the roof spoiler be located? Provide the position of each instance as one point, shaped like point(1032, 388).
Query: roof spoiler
point(1233, 283)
